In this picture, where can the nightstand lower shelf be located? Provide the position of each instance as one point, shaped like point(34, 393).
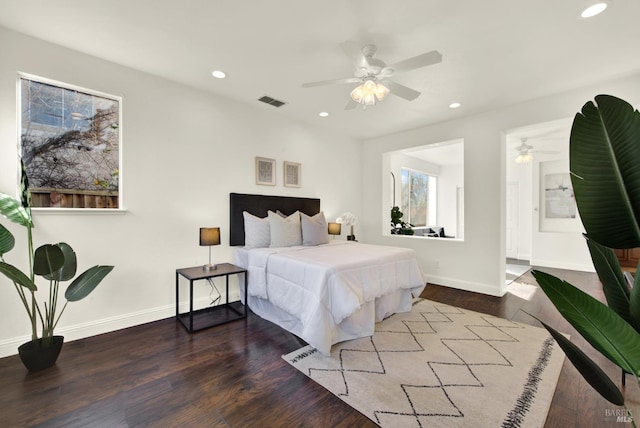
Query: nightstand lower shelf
point(212, 316)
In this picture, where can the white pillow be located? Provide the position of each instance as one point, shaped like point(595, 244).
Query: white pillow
point(314, 229)
point(257, 232)
point(285, 232)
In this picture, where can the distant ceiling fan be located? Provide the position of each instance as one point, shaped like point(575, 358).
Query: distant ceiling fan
point(374, 75)
point(525, 151)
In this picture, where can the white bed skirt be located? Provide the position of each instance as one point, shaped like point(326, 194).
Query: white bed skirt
point(360, 324)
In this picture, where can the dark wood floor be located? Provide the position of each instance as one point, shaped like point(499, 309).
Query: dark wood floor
point(233, 376)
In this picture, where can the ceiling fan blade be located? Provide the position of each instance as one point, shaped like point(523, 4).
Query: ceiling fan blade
point(524, 147)
point(354, 52)
point(401, 90)
point(351, 105)
point(332, 82)
point(419, 61)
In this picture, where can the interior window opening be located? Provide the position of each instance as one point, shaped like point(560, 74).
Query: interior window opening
point(425, 195)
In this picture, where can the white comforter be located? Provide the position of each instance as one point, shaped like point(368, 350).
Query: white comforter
point(329, 281)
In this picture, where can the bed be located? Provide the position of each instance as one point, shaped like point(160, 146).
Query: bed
point(324, 292)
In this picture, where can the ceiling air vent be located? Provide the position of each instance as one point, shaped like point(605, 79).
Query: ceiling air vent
point(271, 101)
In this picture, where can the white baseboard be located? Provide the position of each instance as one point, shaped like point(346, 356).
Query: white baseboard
point(79, 331)
point(476, 287)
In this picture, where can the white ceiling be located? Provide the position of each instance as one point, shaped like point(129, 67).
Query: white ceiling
point(495, 53)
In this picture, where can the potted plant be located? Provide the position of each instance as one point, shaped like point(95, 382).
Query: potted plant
point(398, 226)
point(55, 263)
point(348, 219)
point(605, 173)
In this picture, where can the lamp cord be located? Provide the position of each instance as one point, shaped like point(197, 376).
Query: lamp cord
point(214, 301)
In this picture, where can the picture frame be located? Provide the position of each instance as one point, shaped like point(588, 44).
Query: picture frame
point(70, 144)
point(557, 208)
point(292, 174)
point(265, 171)
point(560, 201)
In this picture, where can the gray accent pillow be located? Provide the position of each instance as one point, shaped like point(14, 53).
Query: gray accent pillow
point(257, 232)
point(285, 232)
point(314, 229)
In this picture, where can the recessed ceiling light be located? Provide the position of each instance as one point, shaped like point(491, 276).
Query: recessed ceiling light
point(454, 105)
point(323, 114)
point(218, 74)
point(593, 10)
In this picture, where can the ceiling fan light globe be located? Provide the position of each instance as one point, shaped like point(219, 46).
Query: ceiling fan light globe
point(369, 87)
point(357, 94)
point(369, 100)
point(381, 91)
point(524, 158)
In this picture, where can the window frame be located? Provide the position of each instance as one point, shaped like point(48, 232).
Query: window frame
point(107, 191)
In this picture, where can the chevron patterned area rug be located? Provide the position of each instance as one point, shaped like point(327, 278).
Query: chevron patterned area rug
point(443, 366)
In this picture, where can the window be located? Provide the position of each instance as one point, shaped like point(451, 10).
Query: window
point(419, 197)
point(56, 106)
point(70, 145)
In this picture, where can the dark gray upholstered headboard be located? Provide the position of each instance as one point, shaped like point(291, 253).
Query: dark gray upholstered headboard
point(258, 205)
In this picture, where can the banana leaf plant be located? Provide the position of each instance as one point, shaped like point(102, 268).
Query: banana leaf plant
point(55, 263)
point(603, 155)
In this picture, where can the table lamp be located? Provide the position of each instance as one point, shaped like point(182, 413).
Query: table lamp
point(335, 229)
point(209, 236)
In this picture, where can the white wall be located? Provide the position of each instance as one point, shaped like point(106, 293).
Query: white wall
point(546, 242)
point(520, 174)
point(184, 152)
point(555, 242)
point(478, 263)
point(451, 177)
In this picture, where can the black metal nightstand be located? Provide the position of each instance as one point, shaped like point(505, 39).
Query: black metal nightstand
point(215, 315)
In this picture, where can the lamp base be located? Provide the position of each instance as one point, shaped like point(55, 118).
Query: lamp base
point(208, 268)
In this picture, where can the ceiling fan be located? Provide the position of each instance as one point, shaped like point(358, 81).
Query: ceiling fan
point(374, 75)
point(525, 151)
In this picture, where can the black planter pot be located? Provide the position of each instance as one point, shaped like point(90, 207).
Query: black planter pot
point(36, 357)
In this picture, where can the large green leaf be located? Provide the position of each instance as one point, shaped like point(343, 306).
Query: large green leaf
point(16, 275)
point(596, 322)
point(47, 259)
point(7, 241)
point(86, 282)
point(613, 283)
point(68, 269)
point(604, 152)
point(589, 370)
point(11, 209)
point(634, 305)
point(25, 193)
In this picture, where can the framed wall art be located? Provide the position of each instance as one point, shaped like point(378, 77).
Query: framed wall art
point(292, 172)
point(265, 171)
point(558, 211)
point(70, 144)
point(558, 196)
